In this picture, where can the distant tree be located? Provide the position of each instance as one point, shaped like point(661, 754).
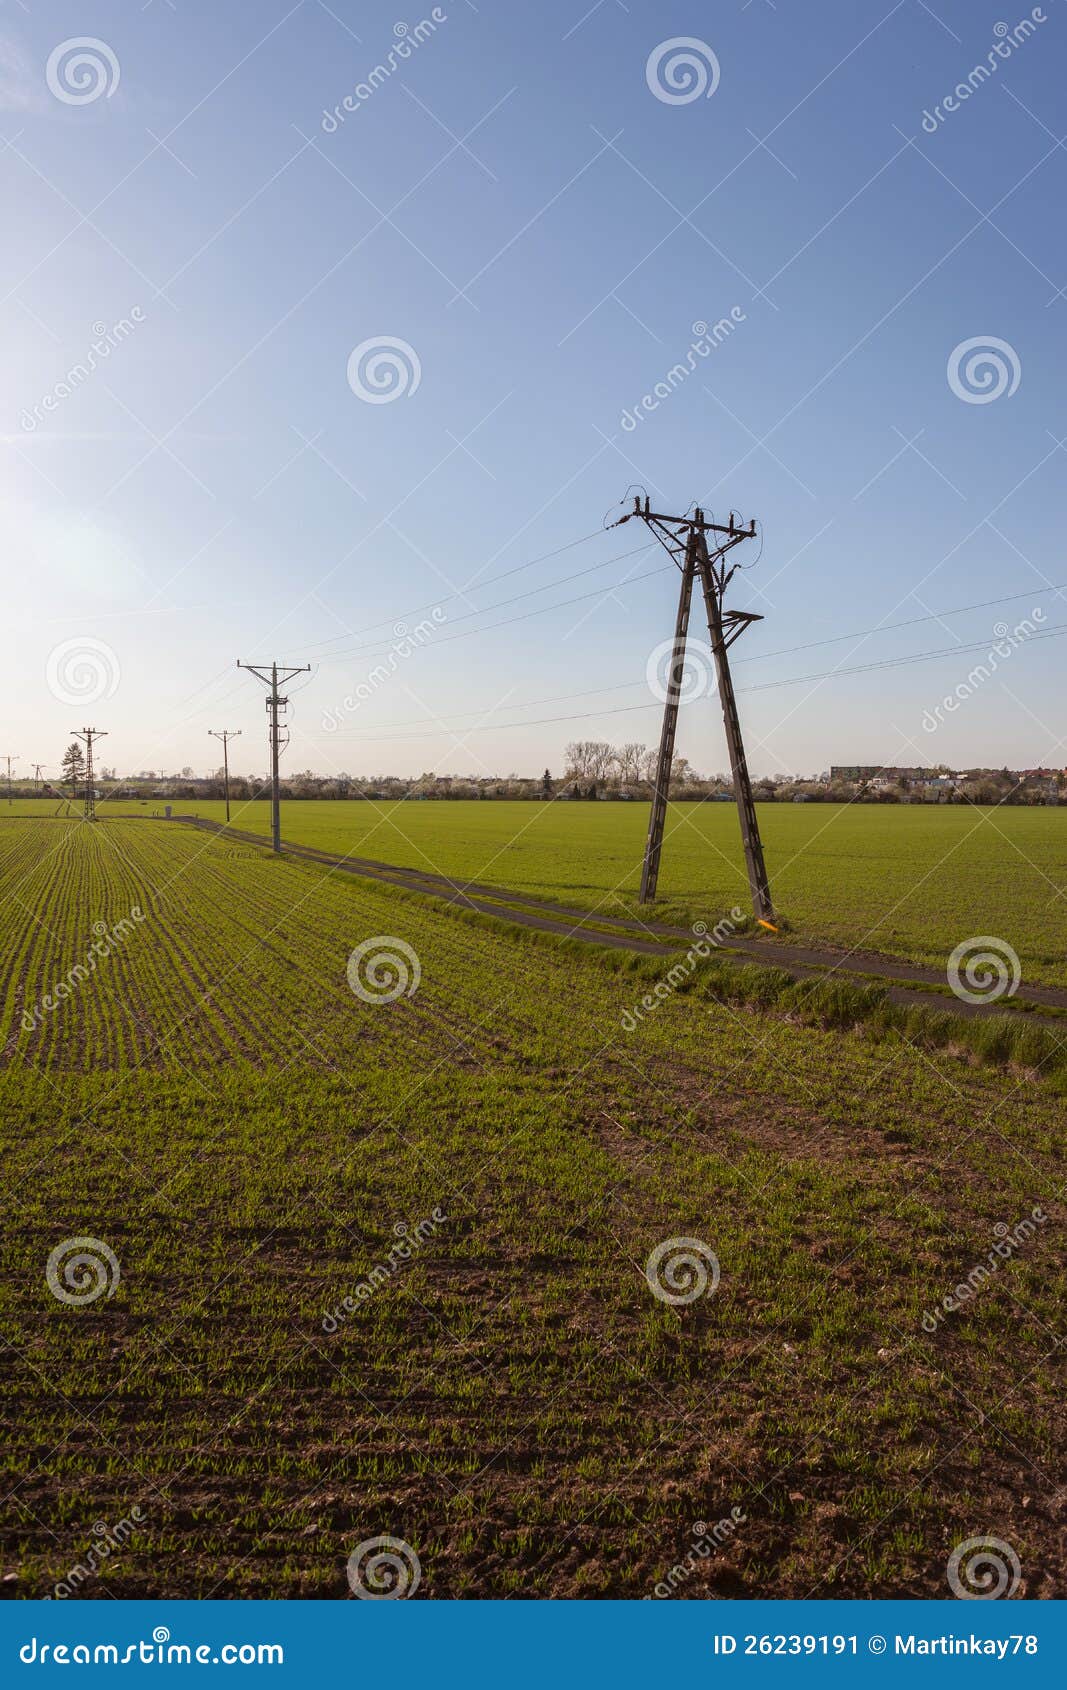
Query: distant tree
point(578, 757)
point(629, 761)
point(73, 764)
point(546, 784)
point(589, 758)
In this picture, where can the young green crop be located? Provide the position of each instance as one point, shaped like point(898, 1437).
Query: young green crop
point(912, 881)
point(246, 1132)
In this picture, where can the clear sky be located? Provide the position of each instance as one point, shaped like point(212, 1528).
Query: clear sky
point(511, 197)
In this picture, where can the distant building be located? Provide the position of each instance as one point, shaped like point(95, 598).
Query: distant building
point(875, 771)
point(940, 786)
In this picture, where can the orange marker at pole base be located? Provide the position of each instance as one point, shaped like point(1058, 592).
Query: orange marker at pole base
point(769, 925)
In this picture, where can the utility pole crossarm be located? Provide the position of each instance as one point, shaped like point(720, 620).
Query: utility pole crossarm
point(275, 673)
point(695, 522)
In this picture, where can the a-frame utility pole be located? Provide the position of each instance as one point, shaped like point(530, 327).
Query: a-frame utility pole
point(14, 757)
point(685, 538)
point(88, 735)
point(225, 734)
point(270, 678)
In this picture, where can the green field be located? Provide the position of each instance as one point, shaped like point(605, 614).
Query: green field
point(214, 1103)
point(910, 881)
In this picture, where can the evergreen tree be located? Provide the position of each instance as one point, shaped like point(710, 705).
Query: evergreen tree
point(73, 764)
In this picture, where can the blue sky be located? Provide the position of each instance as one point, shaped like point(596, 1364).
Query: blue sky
point(516, 203)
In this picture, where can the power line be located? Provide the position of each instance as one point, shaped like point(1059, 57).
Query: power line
point(527, 704)
point(355, 633)
point(499, 727)
point(472, 586)
point(758, 657)
point(909, 622)
point(1057, 631)
point(523, 616)
point(377, 647)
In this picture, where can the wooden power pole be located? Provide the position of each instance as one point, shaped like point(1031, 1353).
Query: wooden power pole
point(685, 538)
point(225, 734)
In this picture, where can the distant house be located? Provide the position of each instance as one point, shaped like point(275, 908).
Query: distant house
point(875, 771)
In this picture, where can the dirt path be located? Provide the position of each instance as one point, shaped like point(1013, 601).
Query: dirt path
point(652, 938)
